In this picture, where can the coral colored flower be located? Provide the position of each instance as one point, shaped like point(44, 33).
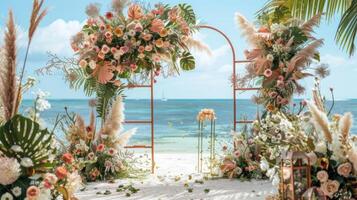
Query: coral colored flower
point(163, 32)
point(67, 158)
point(135, 12)
point(138, 27)
point(147, 36)
point(109, 15)
point(159, 43)
point(263, 30)
point(133, 67)
point(101, 55)
point(273, 94)
point(237, 154)
point(141, 49)
point(113, 50)
point(157, 25)
point(148, 48)
point(156, 58)
point(344, 169)
point(100, 148)
point(118, 32)
point(268, 73)
point(47, 184)
point(32, 192)
point(173, 15)
point(61, 172)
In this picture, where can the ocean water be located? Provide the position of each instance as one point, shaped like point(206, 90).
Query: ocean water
point(175, 119)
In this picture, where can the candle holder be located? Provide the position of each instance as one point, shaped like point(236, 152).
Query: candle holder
point(203, 116)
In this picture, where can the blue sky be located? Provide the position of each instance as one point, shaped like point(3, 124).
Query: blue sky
point(208, 80)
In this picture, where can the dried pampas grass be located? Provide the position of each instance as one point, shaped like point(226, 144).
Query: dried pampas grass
point(36, 16)
point(344, 126)
point(113, 125)
point(92, 10)
point(124, 138)
point(198, 45)
point(321, 121)
point(8, 70)
point(304, 56)
point(308, 26)
point(248, 30)
point(119, 5)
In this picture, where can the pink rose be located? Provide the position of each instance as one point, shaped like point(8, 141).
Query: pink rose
point(322, 176)
point(344, 169)
point(32, 192)
point(268, 73)
point(330, 187)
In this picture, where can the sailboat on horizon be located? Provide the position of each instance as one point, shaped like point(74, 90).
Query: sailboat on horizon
point(163, 96)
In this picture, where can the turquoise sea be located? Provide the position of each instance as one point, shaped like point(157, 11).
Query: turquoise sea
point(175, 119)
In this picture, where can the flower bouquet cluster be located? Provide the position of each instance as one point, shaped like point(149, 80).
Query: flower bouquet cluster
point(241, 162)
point(334, 159)
point(281, 55)
point(278, 133)
point(100, 153)
point(118, 45)
point(206, 114)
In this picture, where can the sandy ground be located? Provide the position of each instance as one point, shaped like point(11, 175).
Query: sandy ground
point(175, 175)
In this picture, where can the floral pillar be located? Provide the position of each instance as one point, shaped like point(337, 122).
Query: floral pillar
point(206, 115)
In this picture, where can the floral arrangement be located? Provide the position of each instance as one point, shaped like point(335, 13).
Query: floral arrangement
point(278, 133)
point(281, 55)
point(118, 45)
point(334, 159)
point(101, 153)
point(206, 114)
point(241, 162)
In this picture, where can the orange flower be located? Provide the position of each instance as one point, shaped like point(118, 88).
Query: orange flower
point(159, 43)
point(157, 25)
point(67, 158)
point(118, 32)
point(135, 12)
point(163, 32)
point(61, 172)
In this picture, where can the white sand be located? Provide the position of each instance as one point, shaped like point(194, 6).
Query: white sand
point(168, 182)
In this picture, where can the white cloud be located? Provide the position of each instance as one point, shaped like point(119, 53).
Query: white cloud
point(55, 37)
point(338, 61)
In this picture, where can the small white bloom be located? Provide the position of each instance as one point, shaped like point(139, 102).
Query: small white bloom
point(7, 196)
point(264, 165)
point(16, 191)
point(270, 57)
point(92, 64)
point(26, 162)
point(16, 148)
point(276, 180)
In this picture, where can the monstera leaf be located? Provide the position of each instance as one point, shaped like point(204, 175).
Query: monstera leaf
point(187, 61)
point(21, 138)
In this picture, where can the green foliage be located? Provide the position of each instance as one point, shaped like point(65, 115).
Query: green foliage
point(187, 61)
point(187, 13)
point(34, 142)
point(106, 93)
point(347, 29)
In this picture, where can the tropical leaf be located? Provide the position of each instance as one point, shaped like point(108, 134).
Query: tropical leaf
point(347, 29)
point(35, 143)
point(187, 13)
point(187, 61)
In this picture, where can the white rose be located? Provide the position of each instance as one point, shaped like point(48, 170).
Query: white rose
point(16, 148)
point(26, 162)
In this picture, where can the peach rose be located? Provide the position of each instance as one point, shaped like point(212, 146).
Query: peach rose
point(159, 43)
point(322, 176)
point(135, 12)
point(344, 169)
point(157, 25)
point(32, 192)
point(61, 172)
point(67, 158)
point(330, 187)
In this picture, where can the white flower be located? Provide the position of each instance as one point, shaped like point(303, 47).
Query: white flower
point(321, 147)
point(26, 162)
point(276, 180)
point(7, 196)
point(270, 57)
point(10, 170)
point(74, 182)
point(16, 148)
point(42, 105)
point(45, 194)
point(17, 191)
point(92, 64)
point(132, 33)
point(264, 165)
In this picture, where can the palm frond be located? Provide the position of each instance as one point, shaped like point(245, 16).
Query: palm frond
point(347, 29)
